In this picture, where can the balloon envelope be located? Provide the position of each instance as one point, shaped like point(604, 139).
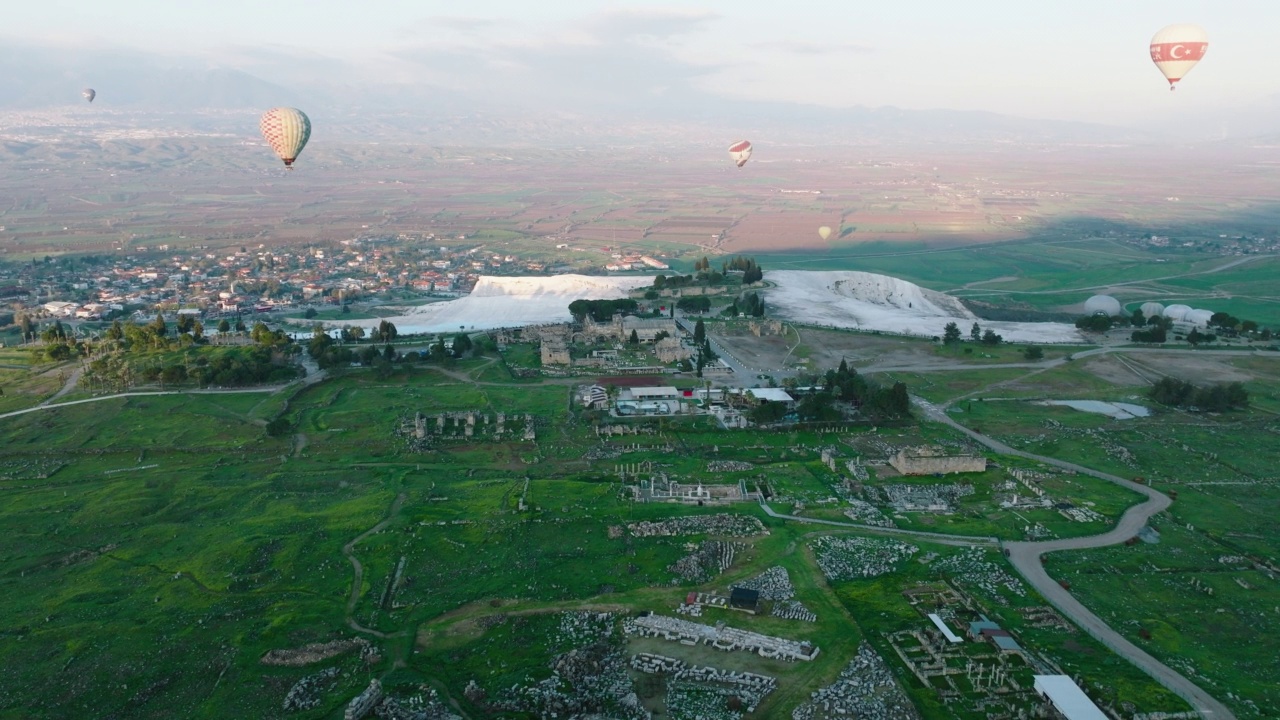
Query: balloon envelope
point(824, 232)
point(1176, 49)
point(89, 94)
point(740, 152)
point(286, 131)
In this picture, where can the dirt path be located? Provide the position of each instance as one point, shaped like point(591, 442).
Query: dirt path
point(68, 386)
point(943, 539)
point(349, 551)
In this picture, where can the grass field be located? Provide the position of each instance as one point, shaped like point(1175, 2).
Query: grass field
point(154, 548)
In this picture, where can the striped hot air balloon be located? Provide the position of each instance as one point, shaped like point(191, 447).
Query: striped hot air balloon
point(286, 131)
point(740, 152)
point(1176, 49)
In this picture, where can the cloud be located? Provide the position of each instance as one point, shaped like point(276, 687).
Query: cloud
point(653, 24)
point(618, 59)
point(806, 47)
point(466, 26)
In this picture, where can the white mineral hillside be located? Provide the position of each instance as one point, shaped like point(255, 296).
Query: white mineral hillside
point(866, 301)
point(509, 302)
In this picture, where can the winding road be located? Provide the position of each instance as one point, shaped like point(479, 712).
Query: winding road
point(1025, 557)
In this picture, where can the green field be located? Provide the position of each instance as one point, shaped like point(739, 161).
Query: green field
point(157, 547)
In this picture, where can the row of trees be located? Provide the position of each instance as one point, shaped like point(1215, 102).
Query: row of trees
point(599, 310)
point(1215, 398)
point(751, 271)
point(843, 392)
point(227, 367)
point(749, 304)
point(951, 335)
point(696, 303)
point(328, 353)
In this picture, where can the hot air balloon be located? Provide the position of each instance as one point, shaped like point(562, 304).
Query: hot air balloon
point(287, 131)
point(89, 94)
point(1176, 49)
point(824, 232)
point(740, 152)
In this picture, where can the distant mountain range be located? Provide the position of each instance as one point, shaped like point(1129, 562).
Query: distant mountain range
point(43, 78)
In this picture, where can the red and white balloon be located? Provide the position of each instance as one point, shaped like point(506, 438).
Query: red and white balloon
point(1176, 49)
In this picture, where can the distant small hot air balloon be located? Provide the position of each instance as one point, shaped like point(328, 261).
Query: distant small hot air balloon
point(89, 94)
point(1176, 49)
point(287, 131)
point(740, 152)
point(824, 232)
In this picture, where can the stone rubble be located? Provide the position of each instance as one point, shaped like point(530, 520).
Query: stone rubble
point(971, 567)
point(308, 692)
point(772, 584)
point(722, 524)
point(720, 637)
point(846, 558)
point(708, 559)
point(865, 690)
point(750, 688)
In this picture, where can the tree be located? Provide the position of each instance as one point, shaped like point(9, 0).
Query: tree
point(240, 327)
point(346, 309)
point(224, 326)
point(951, 334)
point(1156, 334)
point(634, 339)
point(277, 427)
point(975, 333)
point(1138, 319)
point(389, 353)
point(158, 326)
point(262, 334)
point(1031, 352)
point(461, 345)
point(699, 332)
point(27, 327)
point(386, 331)
point(989, 337)
point(1194, 337)
point(310, 313)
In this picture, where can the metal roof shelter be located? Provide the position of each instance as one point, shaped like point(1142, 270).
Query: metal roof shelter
point(1067, 698)
point(946, 631)
point(744, 598)
point(771, 394)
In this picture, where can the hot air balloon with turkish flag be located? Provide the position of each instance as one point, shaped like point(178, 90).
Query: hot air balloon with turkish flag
point(286, 131)
point(1176, 49)
point(740, 152)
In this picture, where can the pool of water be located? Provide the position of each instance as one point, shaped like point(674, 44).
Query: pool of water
point(1117, 410)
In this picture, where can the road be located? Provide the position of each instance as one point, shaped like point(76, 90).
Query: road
point(742, 374)
point(1026, 558)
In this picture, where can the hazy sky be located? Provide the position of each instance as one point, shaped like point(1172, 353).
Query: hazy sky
point(1071, 60)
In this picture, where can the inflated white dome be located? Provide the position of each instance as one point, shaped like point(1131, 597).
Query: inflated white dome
point(1151, 309)
point(1177, 312)
point(1198, 317)
point(1102, 305)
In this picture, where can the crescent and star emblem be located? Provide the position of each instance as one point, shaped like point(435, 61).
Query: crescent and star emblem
point(1177, 52)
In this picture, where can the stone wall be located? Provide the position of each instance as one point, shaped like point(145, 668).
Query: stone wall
point(933, 460)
